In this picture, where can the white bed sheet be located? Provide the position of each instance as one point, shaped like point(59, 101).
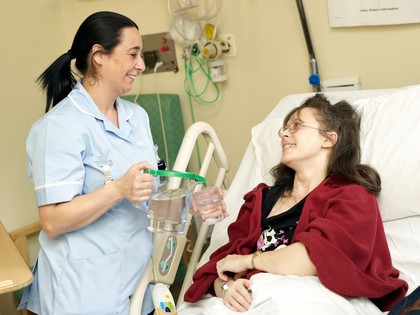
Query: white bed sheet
point(286, 295)
point(402, 230)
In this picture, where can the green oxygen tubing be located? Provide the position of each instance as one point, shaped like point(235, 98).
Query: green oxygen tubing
point(168, 173)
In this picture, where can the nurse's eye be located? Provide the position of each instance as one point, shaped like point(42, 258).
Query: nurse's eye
point(135, 53)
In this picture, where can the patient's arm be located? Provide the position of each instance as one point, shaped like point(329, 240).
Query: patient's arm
point(289, 260)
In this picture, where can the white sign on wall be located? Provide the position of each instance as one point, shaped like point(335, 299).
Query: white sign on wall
point(345, 13)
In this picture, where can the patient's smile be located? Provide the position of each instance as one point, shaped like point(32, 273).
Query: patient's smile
point(287, 146)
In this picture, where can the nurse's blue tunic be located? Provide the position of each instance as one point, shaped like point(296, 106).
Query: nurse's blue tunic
point(93, 270)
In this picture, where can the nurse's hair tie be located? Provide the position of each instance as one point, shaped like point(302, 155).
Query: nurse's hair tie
point(70, 54)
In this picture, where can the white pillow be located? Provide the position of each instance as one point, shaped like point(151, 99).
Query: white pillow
point(391, 143)
point(403, 237)
point(267, 147)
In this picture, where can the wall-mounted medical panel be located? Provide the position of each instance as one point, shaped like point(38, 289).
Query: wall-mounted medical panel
point(159, 48)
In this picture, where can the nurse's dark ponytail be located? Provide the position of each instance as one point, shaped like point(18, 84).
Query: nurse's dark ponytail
point(57, 80)
point(101, 28)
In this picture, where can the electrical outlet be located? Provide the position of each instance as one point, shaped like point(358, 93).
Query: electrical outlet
point(230, 39)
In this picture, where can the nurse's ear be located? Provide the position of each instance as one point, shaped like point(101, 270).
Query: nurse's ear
point(97, 54)
point(331, 138)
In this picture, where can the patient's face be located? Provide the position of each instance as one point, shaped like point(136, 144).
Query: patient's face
point(302, 141)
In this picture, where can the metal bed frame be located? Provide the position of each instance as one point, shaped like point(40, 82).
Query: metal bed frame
point(168, 249)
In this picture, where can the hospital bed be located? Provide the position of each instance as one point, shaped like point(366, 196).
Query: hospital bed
point(169, 248)
point(390, 143)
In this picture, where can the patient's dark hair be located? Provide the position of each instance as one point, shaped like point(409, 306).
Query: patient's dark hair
point(346, 153)
point(103, 28)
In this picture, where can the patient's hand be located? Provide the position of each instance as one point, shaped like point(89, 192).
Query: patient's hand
point(194, 211)
point(233, 263)
point(238, 297)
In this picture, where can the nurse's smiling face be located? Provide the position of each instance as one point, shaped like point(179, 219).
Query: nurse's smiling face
point(120, 68)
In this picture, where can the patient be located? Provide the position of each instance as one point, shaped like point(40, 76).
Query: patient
point(320, 217)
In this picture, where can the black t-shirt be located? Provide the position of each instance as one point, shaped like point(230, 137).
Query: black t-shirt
point(279, 229)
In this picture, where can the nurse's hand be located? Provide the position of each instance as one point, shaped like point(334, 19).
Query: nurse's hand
point(135, 185)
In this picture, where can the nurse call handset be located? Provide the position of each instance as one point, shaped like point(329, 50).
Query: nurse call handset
point(162, 300)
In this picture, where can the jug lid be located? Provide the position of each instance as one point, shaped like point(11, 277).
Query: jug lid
point(173, 173)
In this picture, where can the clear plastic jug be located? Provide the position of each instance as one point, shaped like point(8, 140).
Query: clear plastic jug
point(169, 204)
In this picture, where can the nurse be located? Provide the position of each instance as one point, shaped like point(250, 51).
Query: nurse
point(85, 158)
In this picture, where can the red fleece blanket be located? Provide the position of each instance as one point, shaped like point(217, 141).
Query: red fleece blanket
point(342, 230)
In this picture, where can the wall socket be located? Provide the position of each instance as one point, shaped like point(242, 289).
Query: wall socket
point(230, 38)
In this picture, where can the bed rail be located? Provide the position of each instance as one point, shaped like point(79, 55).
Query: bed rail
point(164, 264)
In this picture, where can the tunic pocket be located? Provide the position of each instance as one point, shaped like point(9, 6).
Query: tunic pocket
point(90, 286)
